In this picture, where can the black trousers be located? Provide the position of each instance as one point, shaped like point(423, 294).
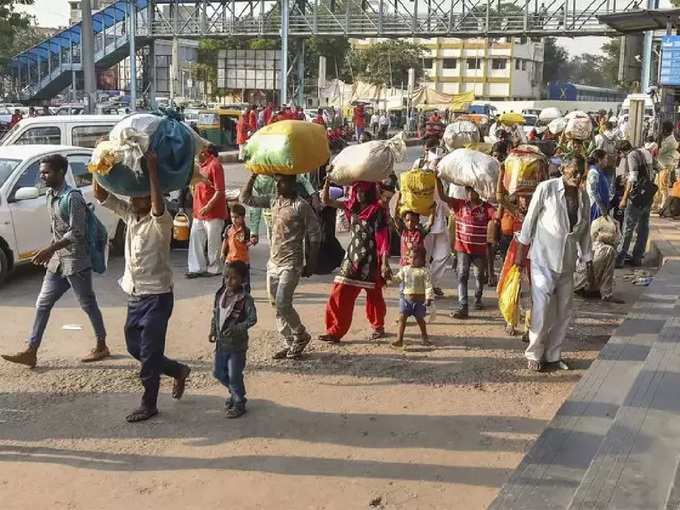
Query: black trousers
point(145, 329)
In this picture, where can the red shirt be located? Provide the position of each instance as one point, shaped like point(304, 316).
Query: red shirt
point(471, 225)
point(204, 191)
point(319, 120)
point(268, 114)
point(359, 119)
point(411, 241)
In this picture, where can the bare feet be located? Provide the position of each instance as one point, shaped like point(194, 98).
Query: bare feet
point(141, 414)
point(425, 341)
point(377, 334)
point(29, 357)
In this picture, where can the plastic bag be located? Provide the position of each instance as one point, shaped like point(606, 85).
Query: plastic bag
point(460, 134)
point(511, 119)
point(605, 230)
point(466, 167)
point(558, 125)
point(579, 126)
point(175, 149)
point(547, 115)
point(675, 191)
point(288, 147)
point(525, 168)
point(508, 298)
point(371, 161)
point(417, 189)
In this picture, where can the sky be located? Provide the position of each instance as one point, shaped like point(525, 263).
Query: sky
point(53, 13)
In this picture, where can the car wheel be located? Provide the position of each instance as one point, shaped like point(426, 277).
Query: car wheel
point(118, 241)
point(4, 266)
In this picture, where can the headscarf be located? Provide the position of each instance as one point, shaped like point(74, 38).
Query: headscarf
point(369, 210)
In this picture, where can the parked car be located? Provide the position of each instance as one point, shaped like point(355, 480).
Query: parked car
point(78, 130)
point(24, 219)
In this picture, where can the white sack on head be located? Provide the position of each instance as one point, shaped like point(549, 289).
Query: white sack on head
point(460, 133)
point(371, 161)
point(466, 167)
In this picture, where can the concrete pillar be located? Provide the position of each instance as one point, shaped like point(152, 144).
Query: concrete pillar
point(87, 56)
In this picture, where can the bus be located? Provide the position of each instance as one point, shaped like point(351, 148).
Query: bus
point(566, 91)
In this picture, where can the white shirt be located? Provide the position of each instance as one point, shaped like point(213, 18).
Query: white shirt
point(546, 228)
point(384, 120)
point(633, 164)
point(147, 250)
point(374, 118)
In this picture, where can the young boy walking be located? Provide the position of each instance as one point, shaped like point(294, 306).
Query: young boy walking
point(237, 241)
point(415, 294)
point(296, 237)
point(148, 282)
point(233, 314)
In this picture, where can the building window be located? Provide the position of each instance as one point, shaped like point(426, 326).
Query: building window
point(449, 63)
point(498, 63)
point(473, 63)
point(524, 65)
point(427, 63)
point(518, 64)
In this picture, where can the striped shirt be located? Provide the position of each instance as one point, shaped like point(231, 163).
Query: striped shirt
point(471, 225)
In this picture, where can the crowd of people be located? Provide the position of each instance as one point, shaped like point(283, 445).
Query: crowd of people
point(547, 235)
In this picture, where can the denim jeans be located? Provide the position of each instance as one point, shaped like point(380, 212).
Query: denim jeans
point(145, 329)
point(635, 220)
point(465, 261)
point(281, 284)
point(229, 371)
point(53, 287)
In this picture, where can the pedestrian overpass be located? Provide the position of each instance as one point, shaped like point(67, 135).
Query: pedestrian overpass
point(44, 70)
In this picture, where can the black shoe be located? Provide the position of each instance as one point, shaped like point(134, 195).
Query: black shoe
point(229, 403)
point(238, 409)
point(191, 276)
point(282, 354)
point(461, 313)
point(478, 305)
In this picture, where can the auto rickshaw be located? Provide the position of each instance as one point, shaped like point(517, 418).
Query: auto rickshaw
point(218, 126)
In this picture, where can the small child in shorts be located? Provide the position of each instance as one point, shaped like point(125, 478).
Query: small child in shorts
point(237, 241)
point(233, 314)
point(415, 295)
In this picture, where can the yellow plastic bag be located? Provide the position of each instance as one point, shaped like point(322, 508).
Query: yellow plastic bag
point(417, 191)
point(508, 298)
point(288, 147)
point(511, 118)
point(525, 168)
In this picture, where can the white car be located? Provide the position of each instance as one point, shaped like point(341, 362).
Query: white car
point(24, 219)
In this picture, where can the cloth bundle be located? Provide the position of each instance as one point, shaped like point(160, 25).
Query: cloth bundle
point(417, 189)
point(579, 126)
point(605, 230)
point(460, 134)
point(547, 115)
point(371, 161)
point(467, 167)
point(525, 168)
point(557, 126)
point(118, 163)
point(288, 147)
point(511, 119)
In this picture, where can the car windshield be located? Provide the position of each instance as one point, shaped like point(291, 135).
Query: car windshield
point(7, 167)
point(530, 120)
point(9, 134)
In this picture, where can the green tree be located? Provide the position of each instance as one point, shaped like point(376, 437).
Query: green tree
point(12, 24)
point(336, 49)
point(555, 61)
point(388, 62)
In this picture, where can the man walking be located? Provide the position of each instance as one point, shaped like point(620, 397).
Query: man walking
point(295, 241)
point(67, 260)
point(210, 212)
point(557, 226)
point(148, 282)
point(636, 202)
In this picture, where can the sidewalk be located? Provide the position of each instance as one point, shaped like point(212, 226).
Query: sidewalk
point(615, 442)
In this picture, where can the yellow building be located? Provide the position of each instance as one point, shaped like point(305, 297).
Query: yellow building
point(495, 69)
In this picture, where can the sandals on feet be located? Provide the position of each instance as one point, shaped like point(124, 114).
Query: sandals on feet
point(96, 355)
point(377, 334)
point(330, 339)
point(180, 384)
point(534, 365)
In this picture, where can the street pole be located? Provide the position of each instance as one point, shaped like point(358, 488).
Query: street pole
point(132, 17)
point(87, 56)
point(284, 53)
point(647, 53)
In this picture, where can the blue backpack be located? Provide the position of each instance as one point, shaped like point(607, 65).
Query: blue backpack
point(95, 233)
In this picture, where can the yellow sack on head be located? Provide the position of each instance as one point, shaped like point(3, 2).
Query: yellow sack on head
point(288, 147)
point(511, 118)
point(508, 299)
point(417, 191)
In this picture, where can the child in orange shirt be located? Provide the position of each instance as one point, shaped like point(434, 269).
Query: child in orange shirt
point(237, 240)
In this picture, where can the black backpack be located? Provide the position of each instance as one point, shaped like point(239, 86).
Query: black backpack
point(644, 189)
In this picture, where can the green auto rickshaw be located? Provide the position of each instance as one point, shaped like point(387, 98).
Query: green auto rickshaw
point(218, 126)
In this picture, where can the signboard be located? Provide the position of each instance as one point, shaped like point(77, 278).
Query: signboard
point(670, 60)
point(248, 69)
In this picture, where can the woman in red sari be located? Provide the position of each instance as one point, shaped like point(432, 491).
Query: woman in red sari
point(242, 129)
point(366, 262)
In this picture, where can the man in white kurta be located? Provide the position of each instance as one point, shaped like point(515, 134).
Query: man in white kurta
point(557, 226)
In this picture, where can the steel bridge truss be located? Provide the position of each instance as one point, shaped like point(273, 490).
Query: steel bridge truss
point(382, 18)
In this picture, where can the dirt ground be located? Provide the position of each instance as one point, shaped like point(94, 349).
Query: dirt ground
point(357, 425)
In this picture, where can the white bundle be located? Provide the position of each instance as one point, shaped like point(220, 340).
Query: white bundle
point(371, 161)
point(605, 230)
point(547, 115)
point(467, 167)
point(460, 133)
point(579, 126)
point(131, 137)
point(558, 125)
